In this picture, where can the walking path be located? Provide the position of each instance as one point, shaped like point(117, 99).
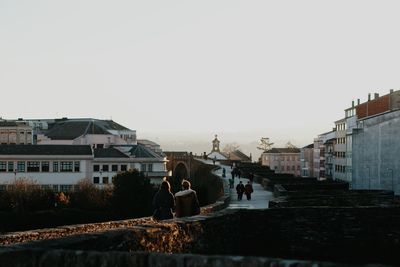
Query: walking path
point(259, 198)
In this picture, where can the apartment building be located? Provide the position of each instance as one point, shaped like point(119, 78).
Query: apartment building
point(283, 160)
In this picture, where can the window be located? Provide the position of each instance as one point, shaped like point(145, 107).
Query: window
point(3, 166)
point(10, 166)
point(124, 168)
point(293, 168)
point(96, 180)
point(21, 166)
point(66, 166)
point(105, 168)
point(55, 166)
point(33, 166)
point(142, 167)
point(77, 166)
point(114, 168)
point(65, 187)
point(150, 167)
point(288, 168)
point(45, 166)
point(105, 180)
point(96, 168)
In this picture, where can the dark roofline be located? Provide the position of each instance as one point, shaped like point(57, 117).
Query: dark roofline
point(75, 150)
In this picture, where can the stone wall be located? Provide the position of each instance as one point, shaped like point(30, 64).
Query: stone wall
point(345, 235)
point(45, 258)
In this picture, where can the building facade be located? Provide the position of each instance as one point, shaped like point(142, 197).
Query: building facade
point(51, 158)
point(307, 161)
point(283, 160)
point(363, 145)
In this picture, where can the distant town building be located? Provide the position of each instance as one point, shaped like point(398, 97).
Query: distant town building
point(233, 156)
point(307, 161)
point(283, 160)
point(57, 153)
point(15, 132)
point(362, 148)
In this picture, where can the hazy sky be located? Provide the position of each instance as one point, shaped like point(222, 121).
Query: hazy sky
point(243, 69)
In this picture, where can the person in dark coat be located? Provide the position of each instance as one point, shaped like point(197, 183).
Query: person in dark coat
point(187, 203)
point(248, 189)
point(240, 190)
point(163, 202)
point(251, 177)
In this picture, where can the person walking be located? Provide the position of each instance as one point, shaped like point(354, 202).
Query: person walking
point(251, 177)
point(187, 203)
point(231, 183)
point(248, 189)
point(239, 173)
point(240, 190)
point(163, 202)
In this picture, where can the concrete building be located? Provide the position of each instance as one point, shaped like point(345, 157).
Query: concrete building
point(283, 160)
point(362, 148)
point(60, 167)
point(112, 148)
point(307, 161)
point(15, 132)
point(375, 144)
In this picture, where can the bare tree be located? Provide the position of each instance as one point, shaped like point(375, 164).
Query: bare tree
point(228, 148)
point(265, 145)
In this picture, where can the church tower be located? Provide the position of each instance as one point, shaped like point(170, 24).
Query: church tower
point(215, 144)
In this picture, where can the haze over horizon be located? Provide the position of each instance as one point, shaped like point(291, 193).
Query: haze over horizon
point(179, 72)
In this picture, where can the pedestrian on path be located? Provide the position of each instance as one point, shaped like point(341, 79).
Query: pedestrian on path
point(248, 189)
point(251, 177)
point(240, 190)
point(223, 172)
point(231, 183)
point(239, 173)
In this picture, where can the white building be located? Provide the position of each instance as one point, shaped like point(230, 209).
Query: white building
point(60, 167)
point(109, 148)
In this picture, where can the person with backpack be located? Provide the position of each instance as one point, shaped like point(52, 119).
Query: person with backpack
point(240, 190)
point(248, 189)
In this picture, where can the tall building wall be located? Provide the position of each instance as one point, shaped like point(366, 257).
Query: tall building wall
point(375, 153)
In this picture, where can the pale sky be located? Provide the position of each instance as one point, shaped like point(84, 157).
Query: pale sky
point(243, 69)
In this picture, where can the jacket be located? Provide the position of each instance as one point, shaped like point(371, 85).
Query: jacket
point(187, 203)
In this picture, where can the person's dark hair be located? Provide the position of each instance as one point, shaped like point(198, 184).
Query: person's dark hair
point(165, 186)
point(186, 184)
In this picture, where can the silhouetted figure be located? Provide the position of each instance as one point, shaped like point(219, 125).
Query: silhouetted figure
point(240, 190)
point(248, 189)
point(251, 177)
point(239, 173)
point(231, 183)
point(163, 202)
point(223, 172)
point(187, 203)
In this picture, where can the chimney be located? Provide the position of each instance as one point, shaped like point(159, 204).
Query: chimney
point(369, 97)
point(391, 91)
point(376, 96)
point(358, 101)
point(352, 104)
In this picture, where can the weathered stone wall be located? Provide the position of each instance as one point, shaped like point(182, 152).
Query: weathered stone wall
point(332, 198)
point(45, 258)
point(349, 235)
